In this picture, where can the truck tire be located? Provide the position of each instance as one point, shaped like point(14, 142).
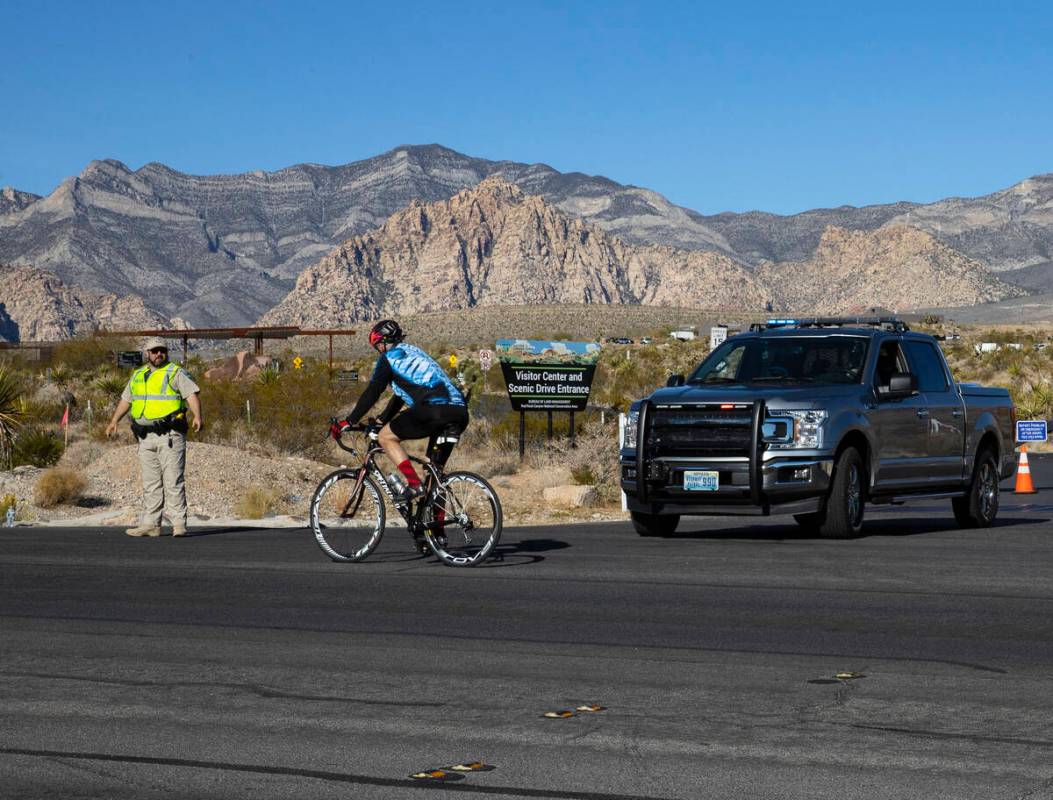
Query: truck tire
point(979, 507)
point(842, 517)
point(655, 524)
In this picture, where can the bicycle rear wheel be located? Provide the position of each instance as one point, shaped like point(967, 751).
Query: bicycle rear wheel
point(347, 524)
point(471, 517)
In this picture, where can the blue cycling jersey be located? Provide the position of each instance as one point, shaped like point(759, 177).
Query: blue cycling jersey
point(416, 377)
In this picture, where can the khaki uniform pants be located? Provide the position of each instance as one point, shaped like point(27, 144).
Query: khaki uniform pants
point(162, 468)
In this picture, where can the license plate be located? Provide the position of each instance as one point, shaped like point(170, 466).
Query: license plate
point(696, 480)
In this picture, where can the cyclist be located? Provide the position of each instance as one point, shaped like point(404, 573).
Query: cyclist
point(435, 407)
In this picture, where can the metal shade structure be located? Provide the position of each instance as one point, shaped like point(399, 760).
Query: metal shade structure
point(256, 334)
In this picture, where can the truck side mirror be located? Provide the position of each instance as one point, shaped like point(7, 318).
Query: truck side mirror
point(900, 385)
point(675, 380)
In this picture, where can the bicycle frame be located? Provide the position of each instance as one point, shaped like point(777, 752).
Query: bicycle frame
point(413, 518)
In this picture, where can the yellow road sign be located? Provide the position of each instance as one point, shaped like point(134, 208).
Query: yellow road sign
point(297, 362)
point(453, 360)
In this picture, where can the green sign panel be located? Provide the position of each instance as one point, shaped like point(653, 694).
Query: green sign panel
point(542, 375)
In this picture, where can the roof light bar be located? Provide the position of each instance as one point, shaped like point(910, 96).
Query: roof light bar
point(885, 323)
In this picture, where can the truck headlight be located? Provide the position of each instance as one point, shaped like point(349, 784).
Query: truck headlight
point(807, 430)
point(632, 423)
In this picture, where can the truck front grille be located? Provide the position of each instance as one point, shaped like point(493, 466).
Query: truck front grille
point(708, 430)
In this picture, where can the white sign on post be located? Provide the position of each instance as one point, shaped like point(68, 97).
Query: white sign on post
point(717, 335)
point(486, 359)
point(1031, 430)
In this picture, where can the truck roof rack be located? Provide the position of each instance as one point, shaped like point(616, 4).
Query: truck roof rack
point(884, 323)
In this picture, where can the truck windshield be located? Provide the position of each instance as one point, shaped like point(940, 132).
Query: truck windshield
point(834, 359)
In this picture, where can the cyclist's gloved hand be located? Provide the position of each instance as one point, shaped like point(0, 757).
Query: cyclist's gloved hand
point(338, 427)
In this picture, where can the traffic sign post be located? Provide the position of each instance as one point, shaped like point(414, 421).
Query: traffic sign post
point(1031, 430)
point(297, 363)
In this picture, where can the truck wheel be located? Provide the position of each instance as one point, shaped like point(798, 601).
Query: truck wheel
point(655, 524)
point(843, 516)
point(979, 507)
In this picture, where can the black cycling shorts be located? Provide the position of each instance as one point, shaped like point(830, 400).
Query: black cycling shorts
point(423, 420)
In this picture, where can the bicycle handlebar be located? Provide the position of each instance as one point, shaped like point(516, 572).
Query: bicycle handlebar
point(336, 431)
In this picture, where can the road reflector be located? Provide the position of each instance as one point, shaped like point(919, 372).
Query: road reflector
point(849, 676)
point(471, 766)
point(558, 714)
point(591, 709)
point(436, 775)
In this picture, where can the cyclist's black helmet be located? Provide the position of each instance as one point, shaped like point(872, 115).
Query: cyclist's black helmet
point(386, 331)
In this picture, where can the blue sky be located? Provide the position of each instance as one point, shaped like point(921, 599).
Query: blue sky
point(775, 106)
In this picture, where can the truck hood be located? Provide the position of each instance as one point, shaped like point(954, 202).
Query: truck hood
point(793, 396)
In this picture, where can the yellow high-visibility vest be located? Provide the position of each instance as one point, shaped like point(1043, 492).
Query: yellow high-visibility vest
point(154, 397)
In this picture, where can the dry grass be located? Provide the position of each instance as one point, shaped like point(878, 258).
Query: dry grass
point(57, 486)
point(257, 503)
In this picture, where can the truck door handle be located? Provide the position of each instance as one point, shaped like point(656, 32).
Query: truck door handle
point(956, 413)
point(923, 412)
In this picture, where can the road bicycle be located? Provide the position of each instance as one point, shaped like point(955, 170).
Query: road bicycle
point(458, 515)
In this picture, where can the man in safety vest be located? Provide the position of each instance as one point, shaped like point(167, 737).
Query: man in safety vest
point(158, 396)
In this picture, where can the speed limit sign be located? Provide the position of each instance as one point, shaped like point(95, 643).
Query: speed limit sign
point(486, 359)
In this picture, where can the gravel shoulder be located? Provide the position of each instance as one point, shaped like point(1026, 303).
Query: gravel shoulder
point(217, 477)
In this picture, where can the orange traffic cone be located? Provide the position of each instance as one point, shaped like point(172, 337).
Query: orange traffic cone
point(1023, 474)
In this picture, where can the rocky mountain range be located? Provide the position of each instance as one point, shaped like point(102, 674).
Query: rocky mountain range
point(225, 249)
point(495, 245)
point(36, 306)
point(893, 267)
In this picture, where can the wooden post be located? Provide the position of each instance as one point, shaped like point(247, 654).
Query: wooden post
point(572, 429)
point(522, 435)
point(185, 337)
point(330, 355)
point(550, 425)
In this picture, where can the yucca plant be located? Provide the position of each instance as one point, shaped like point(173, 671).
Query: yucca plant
point(10, 413)
point(111, 384)
point(268, 375)
point(36, 447)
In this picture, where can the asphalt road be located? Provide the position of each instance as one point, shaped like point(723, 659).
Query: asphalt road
point(244, 664)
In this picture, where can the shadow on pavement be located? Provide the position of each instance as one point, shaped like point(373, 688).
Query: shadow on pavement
point(195, 531)
point(521, 553)
point(901, 526)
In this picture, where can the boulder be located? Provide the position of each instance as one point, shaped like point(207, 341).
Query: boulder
point(242, 366)
point(571, 496)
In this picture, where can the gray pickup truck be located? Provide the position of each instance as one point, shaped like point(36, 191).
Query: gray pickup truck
point(816, 418)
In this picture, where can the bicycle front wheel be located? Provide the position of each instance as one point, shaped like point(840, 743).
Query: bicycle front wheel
point(464, 521)
point(347, 519)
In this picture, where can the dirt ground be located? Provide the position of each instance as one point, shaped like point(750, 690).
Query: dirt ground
point(218, 477)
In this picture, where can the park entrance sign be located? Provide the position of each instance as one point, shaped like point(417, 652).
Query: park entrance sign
point(542, 375)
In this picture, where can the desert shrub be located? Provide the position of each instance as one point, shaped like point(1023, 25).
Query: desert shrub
point(256, 503)
point(592, 461)
point(58, 485)
point(582, 474)
point(36, 447)
point(12, 412)
point(268, 375)
point(111, 384)
point(81, 454)
point(87, 354)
